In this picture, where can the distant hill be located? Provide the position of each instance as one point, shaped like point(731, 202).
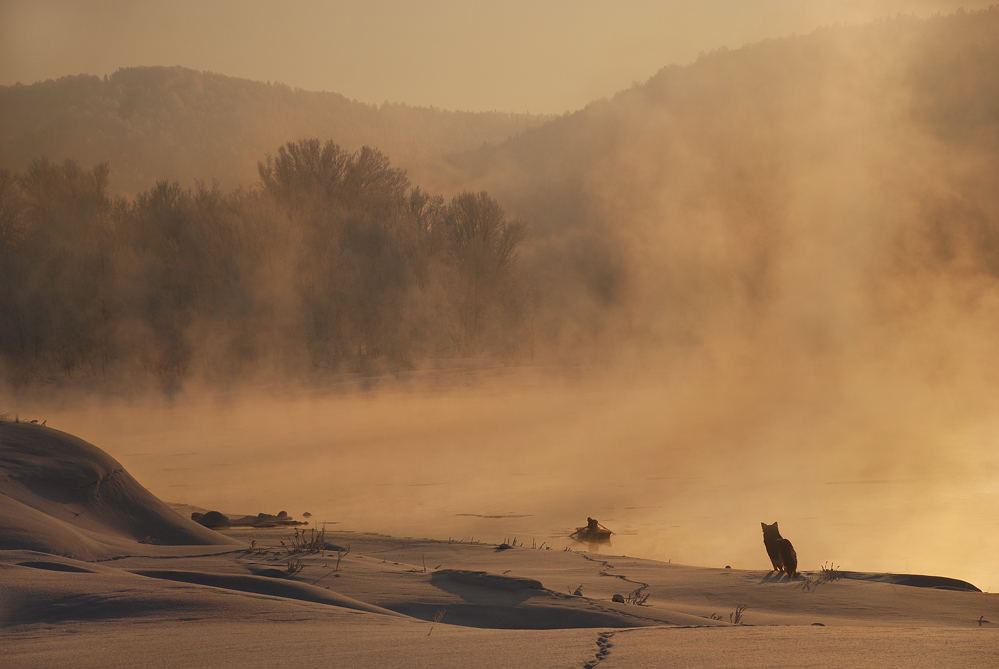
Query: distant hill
point(782, 180)
point(804, 198)
point(153, 123)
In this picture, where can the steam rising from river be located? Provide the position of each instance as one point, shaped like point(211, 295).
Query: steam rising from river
point(682, 465)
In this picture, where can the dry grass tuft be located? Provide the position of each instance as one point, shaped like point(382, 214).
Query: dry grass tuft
point(307, 541)
point(636, 597)
point(341, 554)
point(439, 616)
point(295, 566)
point(829, 573)
point(736, 616)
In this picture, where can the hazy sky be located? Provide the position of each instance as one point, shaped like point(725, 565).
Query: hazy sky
point(510, 55)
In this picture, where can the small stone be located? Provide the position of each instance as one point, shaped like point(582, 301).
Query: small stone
point(214, 519)
point(618, 598)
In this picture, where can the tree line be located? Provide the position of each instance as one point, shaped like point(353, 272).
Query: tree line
point(334, 261)
point(181, 124)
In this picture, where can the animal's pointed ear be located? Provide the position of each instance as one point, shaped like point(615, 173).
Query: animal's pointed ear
point(763, 525)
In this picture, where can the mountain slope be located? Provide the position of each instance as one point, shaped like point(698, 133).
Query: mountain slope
point(760, 182)
point(171, 123)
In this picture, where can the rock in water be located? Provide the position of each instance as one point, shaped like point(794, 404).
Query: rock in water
point(214, 519)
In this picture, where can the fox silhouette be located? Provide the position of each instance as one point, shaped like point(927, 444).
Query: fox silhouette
point(780, 550)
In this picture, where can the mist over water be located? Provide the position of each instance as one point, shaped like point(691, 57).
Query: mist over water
point(683, 464)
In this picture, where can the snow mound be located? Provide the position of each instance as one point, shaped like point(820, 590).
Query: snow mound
point(63, 496)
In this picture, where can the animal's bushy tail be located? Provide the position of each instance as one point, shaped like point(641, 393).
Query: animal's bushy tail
point(788, 557)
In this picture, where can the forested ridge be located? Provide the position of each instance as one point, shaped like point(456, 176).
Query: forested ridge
point(819, 195)
point(175, 124)
point(816, 188)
